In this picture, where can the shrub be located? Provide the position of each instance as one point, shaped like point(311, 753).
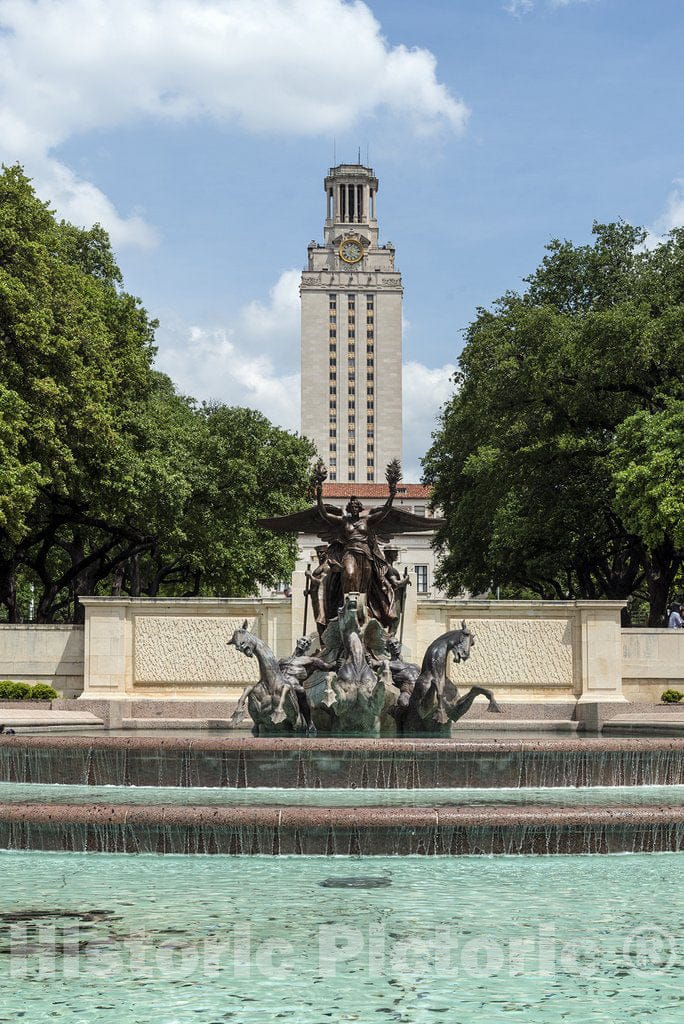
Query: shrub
point(41, 691)
point(671, 697)
point(10, 690)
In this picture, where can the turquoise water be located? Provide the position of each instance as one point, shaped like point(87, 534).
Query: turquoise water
point(174, 940)
point(19, 793)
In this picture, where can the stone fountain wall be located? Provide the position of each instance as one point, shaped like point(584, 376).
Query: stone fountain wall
point(550, 653)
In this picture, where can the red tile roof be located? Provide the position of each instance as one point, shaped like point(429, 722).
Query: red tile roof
point(331, 489)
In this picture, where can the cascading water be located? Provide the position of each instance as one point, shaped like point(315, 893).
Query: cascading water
point(328, 826)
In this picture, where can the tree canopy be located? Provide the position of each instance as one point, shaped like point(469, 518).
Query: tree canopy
point(110, 481)
point(559, 461)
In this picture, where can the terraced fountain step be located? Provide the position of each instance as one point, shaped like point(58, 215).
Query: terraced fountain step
point(341, 830)
point(242, 762)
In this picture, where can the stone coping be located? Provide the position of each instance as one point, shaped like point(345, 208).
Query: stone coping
point(183, 602)
point(334, 745)
point(65, 627)
point(358, 817)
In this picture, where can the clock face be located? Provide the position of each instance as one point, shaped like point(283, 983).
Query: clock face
point(351, 251)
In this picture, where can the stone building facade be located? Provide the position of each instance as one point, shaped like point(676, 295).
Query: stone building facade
point(351, 342)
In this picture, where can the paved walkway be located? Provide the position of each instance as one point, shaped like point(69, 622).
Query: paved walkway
point(32, 718)
point(668, 722)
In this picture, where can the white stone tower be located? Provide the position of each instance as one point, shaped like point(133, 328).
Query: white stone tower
point(351, 335)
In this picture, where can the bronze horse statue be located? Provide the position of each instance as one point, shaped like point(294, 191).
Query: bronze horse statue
point(434, 702)
point(271, 712)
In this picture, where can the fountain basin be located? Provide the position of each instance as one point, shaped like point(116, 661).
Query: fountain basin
point(188, 939)
point(340, 763)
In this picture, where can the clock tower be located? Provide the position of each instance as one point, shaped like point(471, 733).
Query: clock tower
point(351, 335)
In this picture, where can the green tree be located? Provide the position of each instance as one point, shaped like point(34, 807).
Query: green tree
point(109, 480)
point(541, 455)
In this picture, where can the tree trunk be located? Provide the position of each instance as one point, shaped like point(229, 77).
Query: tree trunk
point(658, 593)
point(665, 562)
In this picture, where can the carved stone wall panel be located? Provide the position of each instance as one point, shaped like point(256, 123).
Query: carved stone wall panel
point(518, 652)
point(190, 649)
point(639, 647)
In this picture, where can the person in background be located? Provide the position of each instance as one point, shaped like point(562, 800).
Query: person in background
point(675, 620)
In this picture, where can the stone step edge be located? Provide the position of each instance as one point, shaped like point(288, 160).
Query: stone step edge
point(152, 724)
point(366, 817)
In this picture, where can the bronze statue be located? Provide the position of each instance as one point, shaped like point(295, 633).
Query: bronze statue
point(315, 588)
point(296, 669)
point(354, 534)
point(398, 583)
point(356, 695)
point(434, 702)
point(264, 699)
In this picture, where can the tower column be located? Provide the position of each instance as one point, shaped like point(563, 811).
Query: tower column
point(351, 335)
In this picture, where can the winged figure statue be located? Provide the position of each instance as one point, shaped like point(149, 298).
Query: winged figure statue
point(354, 534)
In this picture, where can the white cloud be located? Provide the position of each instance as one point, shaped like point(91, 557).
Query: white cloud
point(278, 66)
point(211, 364)
point(521, 7)
point(671, 217)
point(278, 319)
point(242, 364)
point(425, 390)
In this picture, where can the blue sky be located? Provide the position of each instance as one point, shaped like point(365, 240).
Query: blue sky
point(199, 131)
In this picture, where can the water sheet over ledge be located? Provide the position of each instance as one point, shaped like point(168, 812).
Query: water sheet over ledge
point(355, 831)
point(339, 763)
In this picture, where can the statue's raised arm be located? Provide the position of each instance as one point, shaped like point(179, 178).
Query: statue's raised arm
point(335, 518)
